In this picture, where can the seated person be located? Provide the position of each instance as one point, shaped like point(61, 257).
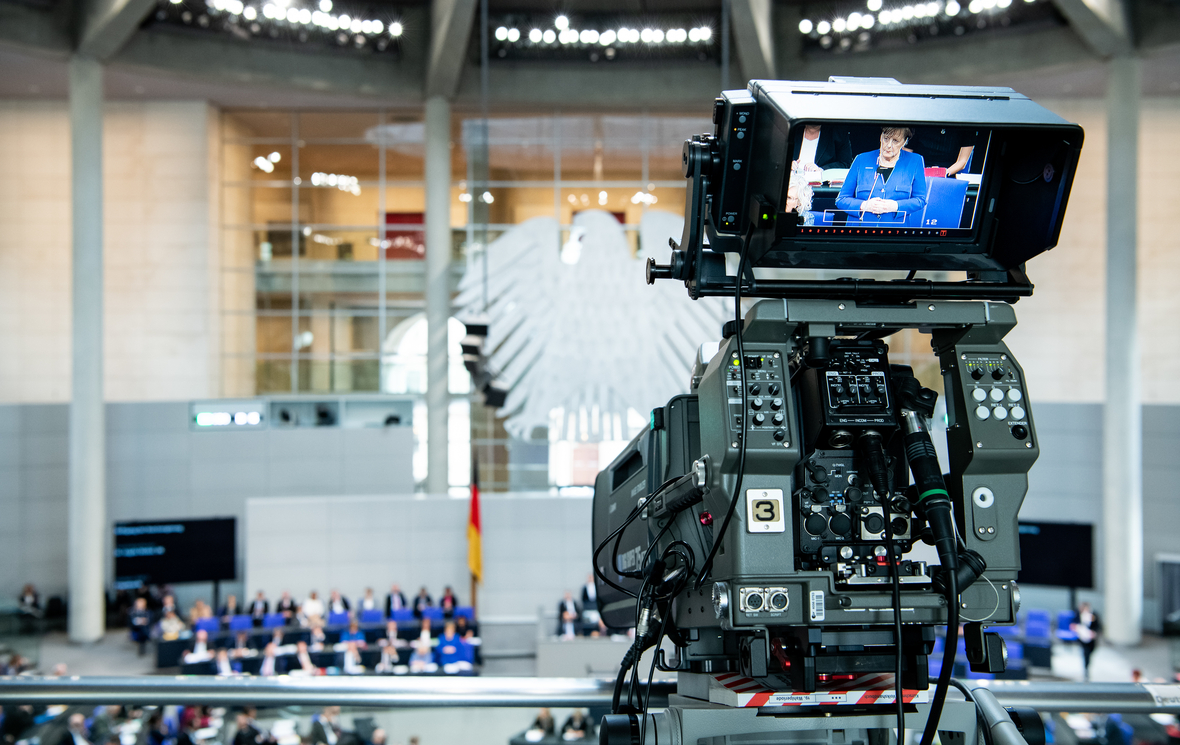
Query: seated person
point(259, 608)
point(140, 622)
point(886, 186)
point(543, 724)
point(389, 661)
point(287, 606)
point(168, 605)
point(353, 634)
point(303, 662)
point(799, 194)
point(368, 602)
point(312, 608)
point(448, 602)
point(277, 638)
point(200, 650)
point(395, 600)
point(452, 653)
point(224, 665)
point(422, 659)
point(240, 646)
point(171, 626)
point(270, 665)
point(352, 660)
point(318, 637)
point(820, 149)
point(337, 603)
point(943, 147)
point(426, 631)
point(577, 727)
point(462, 629)
point(390, 639)
point(422, 600)
point(229, 609)
point(568, 614)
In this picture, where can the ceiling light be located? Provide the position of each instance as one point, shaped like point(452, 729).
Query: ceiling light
point(535, 36)
point(249, 13)
point(854, 21)
point(606, 38)
point(264, 165)
point(395, 29)
point(487, 198)
point(549, 36)
point(561, 22)
point(694, 34)
point(839, 25)
point(805, 27)
point(646, 35)
point(706, 34)
point(602, 196)
point(1003, 3)
point(326, 6)
point(588, 37)
point(952, 8)
point(501, 33)
point(568, 36)
point(513, 35)
point(823, 27)
point(293, 15)
point(874, 5)
point(975, 6)
point(464, 197)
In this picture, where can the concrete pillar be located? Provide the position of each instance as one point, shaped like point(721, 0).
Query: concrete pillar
point(438, 292)
point(1122, 459)
point(87, 502)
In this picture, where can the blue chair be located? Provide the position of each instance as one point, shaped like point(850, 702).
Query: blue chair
point(467, 612)
point(372, 615)
point(273, 621)
point(241, 623)
point(1038, 639)
point(1064, 632)
point(945, 198)
point(337, 619)
point(404, 615)
point(434, 614)
point(208, 625)
point(1037, 625)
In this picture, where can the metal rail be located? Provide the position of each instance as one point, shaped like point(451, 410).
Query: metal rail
point(422, 691)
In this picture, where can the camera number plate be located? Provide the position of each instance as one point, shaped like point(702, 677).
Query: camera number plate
point(764, 510)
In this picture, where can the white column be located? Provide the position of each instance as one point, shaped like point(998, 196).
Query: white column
point(87, 502)
point(438, 291)
point(1122, 458)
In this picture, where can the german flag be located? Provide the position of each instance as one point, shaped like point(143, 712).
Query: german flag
point(474, 547)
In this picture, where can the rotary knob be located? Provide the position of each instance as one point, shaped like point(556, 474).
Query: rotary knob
point(759, 419)
point(777, 419)
point(755, 389)
point(772, 389)
point(776, 404)
point(756, 403)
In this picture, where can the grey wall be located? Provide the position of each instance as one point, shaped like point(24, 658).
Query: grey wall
point(158, 468)
point(534, 548)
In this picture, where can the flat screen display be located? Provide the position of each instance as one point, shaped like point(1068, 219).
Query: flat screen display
point(174, 551)
point(902, 180)
point(1057, 554)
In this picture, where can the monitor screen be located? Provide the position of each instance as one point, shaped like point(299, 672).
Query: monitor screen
point(1057, 554)
point(174, 551)
point(900, 180)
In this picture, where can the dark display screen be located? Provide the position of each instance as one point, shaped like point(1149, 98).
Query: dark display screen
point(174, 551)
point(894, 180)
point(1057, 554)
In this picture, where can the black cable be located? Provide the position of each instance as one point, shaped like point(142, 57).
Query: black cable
point(895, 581)
point(655, 652)
point(617, 531)
point(741, 464)
point(948, 658)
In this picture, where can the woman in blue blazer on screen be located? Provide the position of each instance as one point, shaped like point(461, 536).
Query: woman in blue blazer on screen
point(886, 186)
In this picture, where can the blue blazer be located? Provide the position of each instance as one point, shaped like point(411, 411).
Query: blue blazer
point(906, 186)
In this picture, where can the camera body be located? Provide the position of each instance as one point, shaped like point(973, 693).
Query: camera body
point(823, 527)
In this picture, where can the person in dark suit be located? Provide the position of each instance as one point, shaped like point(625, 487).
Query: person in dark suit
point(1086, 625)
point(324, 727)
point(337, 603)
point(259, 608)
point(422, 600)
point(568, 614)
point(448, 602)
point(140, 621)
point(249, 733)
point(229, 609)
point(886, 186)
point(287, 606)
point(820, 149)
point(395, 600)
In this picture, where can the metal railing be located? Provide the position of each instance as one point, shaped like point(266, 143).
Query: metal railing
point(423, 692)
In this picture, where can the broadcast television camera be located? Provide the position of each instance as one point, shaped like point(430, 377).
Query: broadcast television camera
point(767, 521)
